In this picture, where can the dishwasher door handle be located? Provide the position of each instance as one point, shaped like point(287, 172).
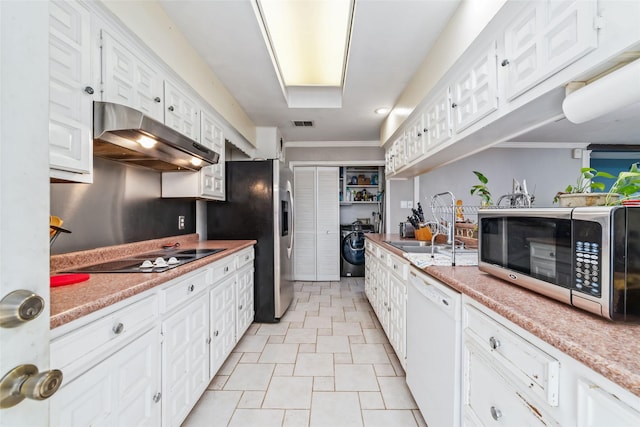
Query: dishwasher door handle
point(431, 293)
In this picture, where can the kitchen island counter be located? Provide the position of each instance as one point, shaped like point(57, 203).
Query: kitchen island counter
point(609, 348)
point(71, 302)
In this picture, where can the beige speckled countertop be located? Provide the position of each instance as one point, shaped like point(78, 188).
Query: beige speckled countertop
point(103, 289)
point(609, 348)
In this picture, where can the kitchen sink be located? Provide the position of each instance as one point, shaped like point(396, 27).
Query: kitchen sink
point(424, 247)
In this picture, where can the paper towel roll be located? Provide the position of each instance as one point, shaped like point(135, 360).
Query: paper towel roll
point(612, 92)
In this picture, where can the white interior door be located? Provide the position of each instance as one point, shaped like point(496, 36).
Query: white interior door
point(24, 192)
point(327, 224)
point(304, 258)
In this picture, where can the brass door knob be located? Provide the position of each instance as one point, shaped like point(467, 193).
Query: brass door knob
point(25, 381)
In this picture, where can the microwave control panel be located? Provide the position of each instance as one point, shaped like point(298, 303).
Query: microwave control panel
point(587, 250)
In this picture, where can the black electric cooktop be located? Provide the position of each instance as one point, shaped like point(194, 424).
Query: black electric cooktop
point(151, 262)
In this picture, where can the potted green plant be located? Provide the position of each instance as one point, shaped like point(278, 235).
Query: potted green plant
point(580, 195)
point(482, 190)
point(626, 186)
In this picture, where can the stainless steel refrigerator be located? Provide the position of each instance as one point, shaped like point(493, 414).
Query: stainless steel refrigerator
point(259, 206)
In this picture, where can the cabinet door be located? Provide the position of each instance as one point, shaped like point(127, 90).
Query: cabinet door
point(244, 300)
point(327, 224)
point(544, 38)
point(438, 120)
point(121, 390)
point(71, 91)
point(223, 323)
point(185, 359)
point(305, 223)
point(399, 153)
point(397, 316)
point(181, 111)
point(416, 138)
point(212, 177)
point(475, 93)
point(388, 161)
point(129, 79)
point(597, 407)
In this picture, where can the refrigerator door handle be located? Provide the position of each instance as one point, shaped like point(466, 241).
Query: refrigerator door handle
point(292, 219)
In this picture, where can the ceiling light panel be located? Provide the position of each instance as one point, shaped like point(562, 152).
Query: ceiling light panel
point(310, 39)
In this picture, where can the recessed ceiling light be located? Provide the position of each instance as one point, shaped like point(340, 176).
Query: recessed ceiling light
point(382, 110)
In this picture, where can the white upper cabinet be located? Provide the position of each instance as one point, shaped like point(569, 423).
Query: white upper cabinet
point(71, 92)
point(209, 182)
point(130, 79)
point(475, 93)
point(438, 120)
point(212, 177)
point(181, 111)
point(416, 137)
point(544, 38)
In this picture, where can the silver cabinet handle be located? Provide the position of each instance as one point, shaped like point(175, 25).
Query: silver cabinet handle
point(496, 414)
point(170, 108)
point(191, 288)
point(89, 90)
point(157, 99)
point(118, 329)
point(505, 63)
point(494, 343)
point(157, 397)
point(226, 269)
point(454, 105)
point(216, 333)
point(240, 308)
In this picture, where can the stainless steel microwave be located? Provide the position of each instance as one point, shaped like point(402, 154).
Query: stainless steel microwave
point(588, 257)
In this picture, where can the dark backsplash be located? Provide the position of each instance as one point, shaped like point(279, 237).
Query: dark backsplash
point(123, 205)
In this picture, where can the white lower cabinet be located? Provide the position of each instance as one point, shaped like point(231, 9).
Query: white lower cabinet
point(122, 390)
point(386, 278)
point(185, 359)
point(147, 361)
point(223, 322)
point(512, 378)
point(245, 300)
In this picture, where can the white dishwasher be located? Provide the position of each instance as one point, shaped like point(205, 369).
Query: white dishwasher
point(434, 341)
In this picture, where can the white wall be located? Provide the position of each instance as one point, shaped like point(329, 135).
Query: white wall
point(398, 190)
point(546, 171)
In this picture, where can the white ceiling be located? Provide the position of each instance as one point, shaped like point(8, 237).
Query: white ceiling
point(390, 40)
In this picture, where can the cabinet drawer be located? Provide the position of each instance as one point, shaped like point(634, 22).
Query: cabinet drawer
point(397, 266)
point(492, 400)
point(244, 257)
point(223, 268)
point(181, 291)
point(106, 334)
point(527, 364)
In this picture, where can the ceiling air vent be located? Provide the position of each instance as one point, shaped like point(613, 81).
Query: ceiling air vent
point(302, 123)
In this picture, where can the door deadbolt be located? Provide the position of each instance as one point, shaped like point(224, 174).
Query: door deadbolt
point(25, 381)
point(18, 307)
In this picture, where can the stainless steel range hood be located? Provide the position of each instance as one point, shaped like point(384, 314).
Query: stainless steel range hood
point(119, 133)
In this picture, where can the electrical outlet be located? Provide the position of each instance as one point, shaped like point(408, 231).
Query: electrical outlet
point(180, 222)
point(409, 204)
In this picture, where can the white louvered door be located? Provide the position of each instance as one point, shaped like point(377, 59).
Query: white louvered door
point(304, 259)
point(327, 224)
point(317, 223)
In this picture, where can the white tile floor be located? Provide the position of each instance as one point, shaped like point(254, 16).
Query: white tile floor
point(327, 363)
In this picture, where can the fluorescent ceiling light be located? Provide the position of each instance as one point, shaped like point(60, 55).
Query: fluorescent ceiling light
point(308, 40)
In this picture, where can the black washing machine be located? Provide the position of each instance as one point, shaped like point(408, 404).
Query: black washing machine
point(352, 249)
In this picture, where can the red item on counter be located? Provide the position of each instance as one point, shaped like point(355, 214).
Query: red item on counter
point(68, 279)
